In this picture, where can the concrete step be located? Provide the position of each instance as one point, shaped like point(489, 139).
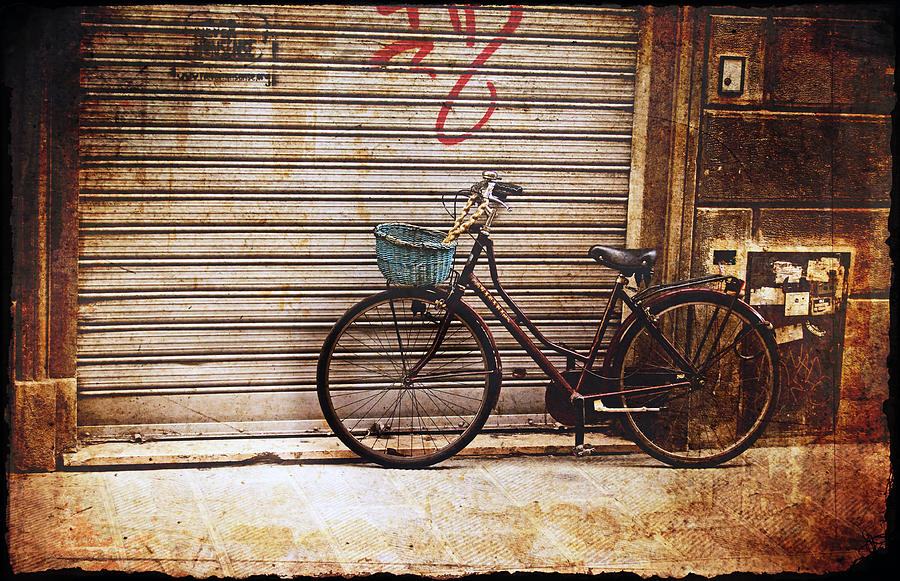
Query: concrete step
point(315, 449)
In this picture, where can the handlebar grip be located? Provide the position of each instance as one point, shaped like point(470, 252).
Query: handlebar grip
point(503, 190)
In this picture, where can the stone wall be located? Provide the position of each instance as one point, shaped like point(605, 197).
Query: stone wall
point(794, 155)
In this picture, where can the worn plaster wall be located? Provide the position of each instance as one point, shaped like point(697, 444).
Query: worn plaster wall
point(797, 158)
point(41, 76)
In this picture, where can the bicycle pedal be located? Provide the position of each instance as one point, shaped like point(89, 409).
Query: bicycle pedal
point(583, 450)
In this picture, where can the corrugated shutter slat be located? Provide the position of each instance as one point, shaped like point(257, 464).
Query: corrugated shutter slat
point(234, 160)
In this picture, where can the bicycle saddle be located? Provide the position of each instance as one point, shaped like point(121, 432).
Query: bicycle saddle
point(627, 262)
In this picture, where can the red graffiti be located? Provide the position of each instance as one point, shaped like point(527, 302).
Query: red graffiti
point(514, 18)
point(411, 12)
point(390, 51)
point(470, 23)
point(424, 47)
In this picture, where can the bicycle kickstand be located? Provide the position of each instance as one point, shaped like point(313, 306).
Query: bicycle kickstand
point(581, 449)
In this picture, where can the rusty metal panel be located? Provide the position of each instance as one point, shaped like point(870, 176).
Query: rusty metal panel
point(234, 160)
point(749, 157)
point(274, 241)
point(804, 294)
point(825, 62)
point(310, 146)
point(742, 36)
point(292, 210)
point(298, 48)
point(570, 22)
point(171, 342)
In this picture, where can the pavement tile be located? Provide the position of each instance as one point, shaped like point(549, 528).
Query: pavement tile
point(154, 516)
point(468, 512)
point(275, 542)
point(694, 539)
point(599, 533)
point(478, 521)
point(349, 483)
point(799, 530)
point(369, 519)
point(584, 517)
point(561, 480)
point(379, 533)
point(52, 510)
point(496, 537)
point(196, 568)
point(861, 489)
point(456, 481)
point(286, 569)
point(805, 509)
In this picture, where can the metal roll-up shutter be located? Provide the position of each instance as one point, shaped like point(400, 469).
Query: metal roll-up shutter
point(234, 161)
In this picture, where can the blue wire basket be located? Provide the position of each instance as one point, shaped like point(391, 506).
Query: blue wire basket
point(413, 255)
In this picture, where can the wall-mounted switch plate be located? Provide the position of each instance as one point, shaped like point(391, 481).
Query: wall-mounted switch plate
point(731, 75)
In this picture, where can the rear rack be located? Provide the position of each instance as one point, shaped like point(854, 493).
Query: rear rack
point(730, 285)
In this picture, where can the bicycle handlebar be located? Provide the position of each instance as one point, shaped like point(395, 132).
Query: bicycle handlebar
point(486, 192)
point(494, 190)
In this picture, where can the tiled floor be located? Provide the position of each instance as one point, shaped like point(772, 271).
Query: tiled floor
point(814, 508)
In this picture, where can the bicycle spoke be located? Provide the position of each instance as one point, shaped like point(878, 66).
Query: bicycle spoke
point(437, 428)
point(381, 344)
point(397, 408)
point(388, 417)
point(729, 401)
point(399, 340)
point(364, 400)
point(365, 416)
point(457, 374)
point(713, 358)
point(702, 340)
point(434, 397)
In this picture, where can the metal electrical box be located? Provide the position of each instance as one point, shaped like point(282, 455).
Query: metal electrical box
point(804, 295)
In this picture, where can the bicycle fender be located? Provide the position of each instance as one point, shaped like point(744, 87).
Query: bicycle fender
point(650, 304)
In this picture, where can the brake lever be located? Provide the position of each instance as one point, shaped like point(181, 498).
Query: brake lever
point(491, 198)
point(488, 194)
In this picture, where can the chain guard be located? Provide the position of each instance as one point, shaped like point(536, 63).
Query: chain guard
point(558, 402)
point(559, 406)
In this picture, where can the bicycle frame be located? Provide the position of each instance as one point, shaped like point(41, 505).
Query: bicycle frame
point(467, 280)
point(409, 376)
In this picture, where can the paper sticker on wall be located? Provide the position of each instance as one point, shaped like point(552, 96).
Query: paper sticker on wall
point(821, 306)
point(818, 269)
point(809, 330)
point(827, 278)
point(766, 295)
point(796, 304)
point(786, 271)
point(788, 334)
point(814, 330)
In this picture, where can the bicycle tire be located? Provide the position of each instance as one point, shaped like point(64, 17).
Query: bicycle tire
point(361, 371)
point(711, 421)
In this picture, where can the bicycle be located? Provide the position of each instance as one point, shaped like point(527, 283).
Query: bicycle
point(407, 377)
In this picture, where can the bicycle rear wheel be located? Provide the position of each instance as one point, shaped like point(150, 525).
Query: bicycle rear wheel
point(725, 407)
point(368, 399)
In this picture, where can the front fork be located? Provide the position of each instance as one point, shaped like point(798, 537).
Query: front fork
point(457, 288)
point(438, 339)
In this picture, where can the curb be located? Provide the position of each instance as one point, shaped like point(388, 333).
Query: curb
point(234, 451)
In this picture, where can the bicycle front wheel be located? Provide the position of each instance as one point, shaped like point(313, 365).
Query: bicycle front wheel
point(711, 416)
point(370, 401)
